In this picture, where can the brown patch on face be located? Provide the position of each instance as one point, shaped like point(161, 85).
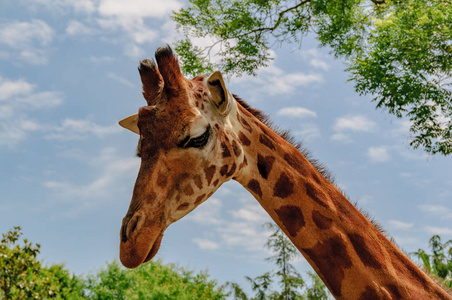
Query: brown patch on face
point(369, 252)
point(255, 187)
point(209, 173)
point(177, 184)
point(264, 165)
point(226, 152)
point(162, 180)
point(292, 218)
point(188, 190)
point(232, 170)
point(369, 294)
point(331, 258)
point(198, 181)
point(215, 183)
point(183, 206)
point(295, 163)
point(224, 170)
point(283, 187)
point(321, 221)
point(236, 148)
point(314, 193)
point(199, 199)
point(243, 139)
point(217, 127)
point(266, 141)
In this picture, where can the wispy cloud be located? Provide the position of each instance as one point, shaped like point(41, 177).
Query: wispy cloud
point(120, 79)
point(438, 210)
point(345, 125)
point(206, 244)
point(17, 99)
point(111, 169)
point(72, 129)
point(399, 225)
point(26, 41)
point(438, 230)
point(296, 112)
point(378, 154)
point(77, 28)
point(307, 132)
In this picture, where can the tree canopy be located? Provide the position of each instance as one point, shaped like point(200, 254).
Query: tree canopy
point(399, 52)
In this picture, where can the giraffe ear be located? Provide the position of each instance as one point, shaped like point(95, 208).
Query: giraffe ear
point(221, 97)
point(131, 123)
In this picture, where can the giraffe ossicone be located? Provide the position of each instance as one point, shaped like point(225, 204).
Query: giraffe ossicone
point(195, 135)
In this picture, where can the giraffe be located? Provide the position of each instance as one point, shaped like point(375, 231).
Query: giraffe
point(195, 135)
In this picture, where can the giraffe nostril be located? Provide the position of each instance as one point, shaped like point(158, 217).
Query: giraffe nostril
point(131, 226)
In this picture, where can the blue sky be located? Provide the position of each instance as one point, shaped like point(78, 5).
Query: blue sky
point(68, 73)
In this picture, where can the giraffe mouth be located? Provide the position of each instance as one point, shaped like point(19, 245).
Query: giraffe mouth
point(141, 248)
point(154, 249)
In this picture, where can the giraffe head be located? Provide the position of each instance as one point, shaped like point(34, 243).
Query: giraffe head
point(187, 146)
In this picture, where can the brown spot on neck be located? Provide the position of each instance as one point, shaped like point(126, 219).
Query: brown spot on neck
point(331, 258)
point(264, 165)
point(236, 148)
point(283, 187)
point(369, 252)
point(315, 194)
point(255, 187)
point(266, 141)
point(292, 218)
point(369, 294)
point(243, 139)
point(321, 221)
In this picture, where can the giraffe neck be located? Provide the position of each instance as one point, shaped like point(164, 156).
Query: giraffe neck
point(353, 258)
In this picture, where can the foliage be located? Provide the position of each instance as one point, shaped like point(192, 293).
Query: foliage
point(22, 276)
point(152, 280)
point(398, 51)
point(292, 285)
point(439, 263)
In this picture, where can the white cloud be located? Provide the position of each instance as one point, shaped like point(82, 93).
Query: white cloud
point(439, 230)
point(17, 99)
point(252, 213)
point(208, 213)
point(438, 210)
point(101, 59)
point(72, 129)
point(307, 132)
point(378, 154)
point(206, 244)
point(112, 169)
point(10, 88)
point(400, 225)
point(319, 64)
point(120, 79)
point(81, 6)
point(297, 112)
point(138, 8)
point(77, 28)
point(354, 123)
point(27, 41)
point(348, 124)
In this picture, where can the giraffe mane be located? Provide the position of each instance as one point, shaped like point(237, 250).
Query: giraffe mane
point(286, 135)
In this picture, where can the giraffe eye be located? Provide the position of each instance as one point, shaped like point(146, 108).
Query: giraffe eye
point(197, 142)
